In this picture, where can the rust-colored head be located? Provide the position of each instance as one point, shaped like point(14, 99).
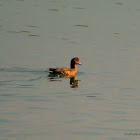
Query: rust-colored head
point(75, 61)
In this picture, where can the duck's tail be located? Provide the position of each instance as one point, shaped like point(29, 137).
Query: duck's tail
point(49, 71)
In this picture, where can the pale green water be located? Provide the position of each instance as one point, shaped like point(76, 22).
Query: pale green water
point(38, 34)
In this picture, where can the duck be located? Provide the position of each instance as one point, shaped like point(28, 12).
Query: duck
point(66, 71)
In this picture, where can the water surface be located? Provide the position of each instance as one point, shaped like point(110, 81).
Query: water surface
point(101, 102)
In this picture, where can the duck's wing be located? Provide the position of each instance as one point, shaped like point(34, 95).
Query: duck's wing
point(59, 70)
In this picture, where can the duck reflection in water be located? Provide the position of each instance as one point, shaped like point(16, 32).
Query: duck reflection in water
point(74, 82)
point(56, 77)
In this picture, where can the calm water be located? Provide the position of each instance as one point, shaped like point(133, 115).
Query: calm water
point(104, 100)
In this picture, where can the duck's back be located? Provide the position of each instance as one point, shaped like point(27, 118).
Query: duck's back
point(63, 70)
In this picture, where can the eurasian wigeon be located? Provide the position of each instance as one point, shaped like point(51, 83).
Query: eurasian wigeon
point(66, 71)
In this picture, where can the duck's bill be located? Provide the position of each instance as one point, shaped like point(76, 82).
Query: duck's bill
point(80, 64)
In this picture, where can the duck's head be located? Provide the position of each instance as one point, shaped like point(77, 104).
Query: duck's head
point(74, 62)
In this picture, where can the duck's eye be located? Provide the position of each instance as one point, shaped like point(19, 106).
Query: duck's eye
point(77, 59)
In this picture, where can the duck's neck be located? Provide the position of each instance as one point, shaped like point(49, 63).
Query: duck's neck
point(73, 66)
